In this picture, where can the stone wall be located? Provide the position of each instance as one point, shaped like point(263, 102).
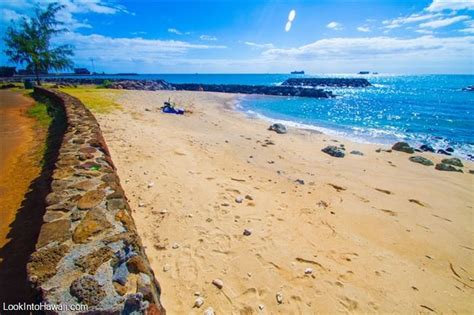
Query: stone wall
point(88, 250)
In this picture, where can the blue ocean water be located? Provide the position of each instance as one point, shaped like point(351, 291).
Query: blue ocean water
point(419, 109)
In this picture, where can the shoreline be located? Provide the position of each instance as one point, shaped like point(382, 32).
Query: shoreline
point(363, 225)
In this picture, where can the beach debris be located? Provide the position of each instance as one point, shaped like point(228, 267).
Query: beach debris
point(441, 151)
point(175, 246)
point(261, 307)
point(209, 311)
point(166, 268)
point(247, 232)
point(355, 152)
point(198, 302)
point(218, 283)
point(239, 199)
point(403, 147)
point(278, 128)
point(447, 168)
point(249, 274)
point(141, 204)
point(308, 271)
point(427, 148)
point(453, 161)
point(170, 108)
point(334, 151)
point(279, 297)
point(197, 293)
point(299, 181)
point(471, 171)
point(421, 160)
point(150, 184)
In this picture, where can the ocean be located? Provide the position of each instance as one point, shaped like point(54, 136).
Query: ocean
point(418, 109)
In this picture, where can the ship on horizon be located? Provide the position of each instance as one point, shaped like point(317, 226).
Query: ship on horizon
point(297, 72)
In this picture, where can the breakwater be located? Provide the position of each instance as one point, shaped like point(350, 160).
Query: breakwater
point(327, 82)
point(88, 250)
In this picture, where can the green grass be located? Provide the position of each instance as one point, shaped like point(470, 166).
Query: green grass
point(101, 101)
point(39, 111)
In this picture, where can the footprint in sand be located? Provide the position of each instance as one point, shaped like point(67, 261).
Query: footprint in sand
point(388, 192)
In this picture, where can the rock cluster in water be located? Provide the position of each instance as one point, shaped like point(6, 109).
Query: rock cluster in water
point(327, 82)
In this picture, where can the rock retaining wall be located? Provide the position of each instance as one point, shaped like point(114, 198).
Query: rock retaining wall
point(88, 250)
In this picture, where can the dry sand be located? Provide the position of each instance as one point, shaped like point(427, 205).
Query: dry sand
point(380, 233)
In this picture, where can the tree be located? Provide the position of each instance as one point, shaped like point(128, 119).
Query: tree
point(29, 42)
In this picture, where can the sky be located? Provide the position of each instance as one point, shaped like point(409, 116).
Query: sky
point(245, 36)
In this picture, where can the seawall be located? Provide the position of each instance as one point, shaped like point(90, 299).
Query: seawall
point(88, 250)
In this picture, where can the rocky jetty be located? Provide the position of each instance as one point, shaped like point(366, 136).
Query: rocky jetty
point(255, 89)
point(327, 82)
point(88, 250)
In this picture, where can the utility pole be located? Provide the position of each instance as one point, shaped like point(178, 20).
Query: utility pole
point(92, 62)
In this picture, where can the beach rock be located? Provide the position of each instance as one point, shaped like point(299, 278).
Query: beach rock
point(261, 307)
point(421, 160)
point(87, 290)
point(453, 161)
point(279, 298)
point(278, 128)
point(209, 311)
point(450, 150)
point(334, 151)
point(239, 199)
point(43, 263)
point(355, 152)
point(248, 197)
point(90, 199)
point(91, 262)
point(447, 168)
point(471, 171)
point(247, 232)
point(93, 223)
point(299, 181)
point(403, 147)
point(308, 271)
point(218, 283)
point(198, 302)
point(441, 151)
point(56, 231)
point(427, 148)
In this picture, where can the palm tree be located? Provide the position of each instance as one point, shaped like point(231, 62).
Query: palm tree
point(29, 42)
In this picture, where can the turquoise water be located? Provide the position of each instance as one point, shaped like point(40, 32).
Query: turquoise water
point(419, 109)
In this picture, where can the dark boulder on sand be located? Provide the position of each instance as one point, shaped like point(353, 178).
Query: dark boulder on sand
point(355, 152)
point(421, 160)
point(441, 151)
point(447, 168)
point(403, 147)
point(453, 161)
point(278, 128)
point(427, 148)
point(334, 151)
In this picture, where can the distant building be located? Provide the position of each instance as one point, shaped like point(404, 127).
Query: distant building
point(7, 71)
point(81, 71)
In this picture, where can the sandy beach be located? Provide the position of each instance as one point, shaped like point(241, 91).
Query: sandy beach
point(363, 234)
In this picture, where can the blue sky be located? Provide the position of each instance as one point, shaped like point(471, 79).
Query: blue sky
point(392, 36)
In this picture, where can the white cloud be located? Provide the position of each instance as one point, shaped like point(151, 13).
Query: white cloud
point(334, 26)
point(440, 5)
point(423, 31)
point(444, 22)
point(208, 37)
point(175, 31)
point(470, 27)
point(259, 46)
point(7, 15)
point(369, 47)
point(413, 18)
point(364, 29)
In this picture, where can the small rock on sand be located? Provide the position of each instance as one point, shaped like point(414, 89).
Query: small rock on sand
point(278, 128)
point(261, 307)
point(198, 302)
point(355, 152)
point(209, 311)
point(141, 204)
point(299, 181)
point(218, 283)
point(421, 160)
point(447, 168)
point(308, 271)
point(175, 246)
point(166, 268)
point(239, 199)
point(150, 184)
point(247, 232)
point(279, 298)
point(403, 147)
point(334, 151)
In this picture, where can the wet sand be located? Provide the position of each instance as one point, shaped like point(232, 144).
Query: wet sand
point(19, 162)
point(362, 234)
